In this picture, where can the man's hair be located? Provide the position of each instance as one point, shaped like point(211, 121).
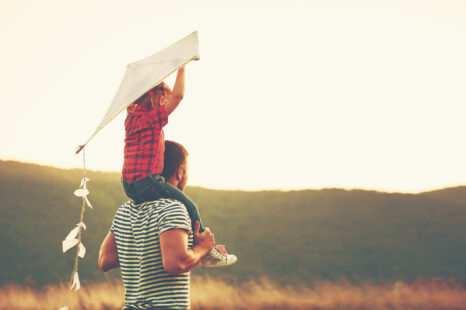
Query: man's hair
point(175, 155)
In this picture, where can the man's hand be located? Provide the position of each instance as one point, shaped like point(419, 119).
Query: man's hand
point(205, 240)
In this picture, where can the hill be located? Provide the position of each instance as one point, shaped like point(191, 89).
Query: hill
point(289, 236)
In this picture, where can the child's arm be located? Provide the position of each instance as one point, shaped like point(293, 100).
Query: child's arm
point(177, 94)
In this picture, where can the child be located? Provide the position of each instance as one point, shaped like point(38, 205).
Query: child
point(144, 154)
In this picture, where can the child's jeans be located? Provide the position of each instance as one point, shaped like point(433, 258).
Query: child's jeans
point(154, 187)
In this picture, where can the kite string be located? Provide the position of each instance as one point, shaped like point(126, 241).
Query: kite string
point(83, 209)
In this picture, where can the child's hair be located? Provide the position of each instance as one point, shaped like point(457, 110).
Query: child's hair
point(163, 89)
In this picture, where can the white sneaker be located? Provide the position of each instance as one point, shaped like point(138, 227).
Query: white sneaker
point(218, 258)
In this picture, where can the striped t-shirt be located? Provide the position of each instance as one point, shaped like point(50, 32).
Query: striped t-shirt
point(137, 229)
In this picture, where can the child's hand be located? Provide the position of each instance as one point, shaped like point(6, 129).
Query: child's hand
point(131, 108)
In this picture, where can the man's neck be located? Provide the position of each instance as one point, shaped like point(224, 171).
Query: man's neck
point(173, 181)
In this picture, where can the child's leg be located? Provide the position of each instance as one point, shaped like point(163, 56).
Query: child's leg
point(154, 187)
point(149, 188)
point(193, 211)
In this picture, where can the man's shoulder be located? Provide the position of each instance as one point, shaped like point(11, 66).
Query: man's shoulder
point(167, 213)
point(158, 205)
point(160, 208)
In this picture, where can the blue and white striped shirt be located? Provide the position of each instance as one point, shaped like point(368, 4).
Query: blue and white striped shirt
point(137, 229)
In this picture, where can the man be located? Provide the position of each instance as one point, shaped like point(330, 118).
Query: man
point(153, 245)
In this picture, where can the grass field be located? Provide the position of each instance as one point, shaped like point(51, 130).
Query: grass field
point(209, 294)
point(332, 233)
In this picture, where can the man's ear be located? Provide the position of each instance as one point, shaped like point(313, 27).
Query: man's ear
point(179, 173)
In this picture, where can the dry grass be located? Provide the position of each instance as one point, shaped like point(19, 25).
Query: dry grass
point(209, 294)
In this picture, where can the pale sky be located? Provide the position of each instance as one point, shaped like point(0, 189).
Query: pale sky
point(287, 94)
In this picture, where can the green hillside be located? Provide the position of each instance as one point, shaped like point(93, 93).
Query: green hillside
point(296, 235)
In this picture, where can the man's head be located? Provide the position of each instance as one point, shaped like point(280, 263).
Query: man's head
point(175, 166)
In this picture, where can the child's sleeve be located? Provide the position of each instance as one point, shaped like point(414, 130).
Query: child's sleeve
point(159, 117)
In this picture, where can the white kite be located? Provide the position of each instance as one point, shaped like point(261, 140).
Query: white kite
point(146, 73)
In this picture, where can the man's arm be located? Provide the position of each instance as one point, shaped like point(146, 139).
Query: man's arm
point(108, 255)
point(177, 94)
point(176, 256)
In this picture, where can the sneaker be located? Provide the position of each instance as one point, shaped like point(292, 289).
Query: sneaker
point(218, 258)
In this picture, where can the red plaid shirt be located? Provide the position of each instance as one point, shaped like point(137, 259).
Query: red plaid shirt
point(144, 143)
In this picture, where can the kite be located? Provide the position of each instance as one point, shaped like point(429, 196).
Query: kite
point(146, 73)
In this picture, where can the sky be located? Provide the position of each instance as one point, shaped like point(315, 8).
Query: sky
point(287, 94)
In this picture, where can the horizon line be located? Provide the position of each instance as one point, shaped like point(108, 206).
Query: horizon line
point(261, 189)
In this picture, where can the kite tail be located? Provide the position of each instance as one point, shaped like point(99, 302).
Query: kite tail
point(74, 238)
